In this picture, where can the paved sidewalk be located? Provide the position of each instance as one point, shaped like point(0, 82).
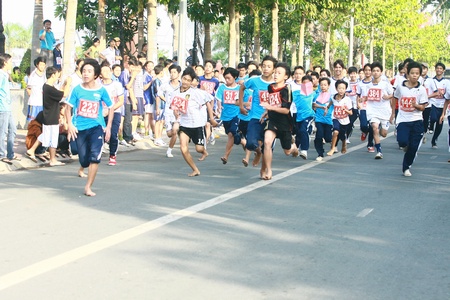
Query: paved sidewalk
point(26, 163)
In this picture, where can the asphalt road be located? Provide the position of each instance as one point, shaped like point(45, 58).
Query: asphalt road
point(351, 227)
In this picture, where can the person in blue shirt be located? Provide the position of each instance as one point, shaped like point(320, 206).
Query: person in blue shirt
point(227, 96)
point(324, 123)
point(259, 85)
point(47, 41)
point(87, 101)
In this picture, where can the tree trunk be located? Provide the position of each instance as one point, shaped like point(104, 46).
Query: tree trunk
point(231, 34)
point(175, 19)
point(384, 54)
point(141, 38)
point(275, 29)
point(101, 25)
point(237, 17)
point(280, 48)
point(301, 47)
point(37, 26)
point(257, 35)
point(207, 44)
point(152, 51)
point(69, 37)
point(294, 55)
point(371, 46)
point(327, 47)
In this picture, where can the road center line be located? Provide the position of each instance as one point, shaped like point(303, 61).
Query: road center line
point(62, 259)
point(364, 212)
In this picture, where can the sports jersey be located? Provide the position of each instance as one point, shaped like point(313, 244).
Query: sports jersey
point(191, 105)
point(323, 99)
point(88, 108)
point(115, 90)
point(338, 109)
point(406, 96)
point(166, 90)
point(440, 85)
point(259, 87)
point(227, 97)
point(399, 79)
point(352, 92)
point(430, 88)
point(208, 85)
point(303, 103)
point(147, 93)
point(377, 107)
point(279, 98)
point(362, 85)
point(248, 95)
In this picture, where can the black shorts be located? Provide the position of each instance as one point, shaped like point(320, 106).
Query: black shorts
point(284, 136)
point(197, 134)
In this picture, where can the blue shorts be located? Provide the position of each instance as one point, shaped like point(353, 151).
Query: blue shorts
point(33, 111)
point(140, 107)
point(255, 133)
point(232, 127)
point(89, 144)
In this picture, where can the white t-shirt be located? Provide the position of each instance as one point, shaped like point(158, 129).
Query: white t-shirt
point(406, 96)
point(440, 85)
point(115, 90)
point(35, 83)
point(110, 55)
point(196, 103)
point(332, 90)
point(430, 88)
point(338, 110)
point(352, 92)
point(377, 107)
point(362, 85)
point(167, 90)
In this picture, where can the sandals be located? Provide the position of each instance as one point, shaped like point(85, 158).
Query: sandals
point(10, 161)
point(31, 157)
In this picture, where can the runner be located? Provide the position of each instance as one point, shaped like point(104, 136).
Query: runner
point(86, 100)
point(255, 133)
point(352, 93)
point(342, 108)
point(380, 109)
point(413, 99)
point(366, 130)
point(279, 121)
point(227, 96)
point(187, 103)
point(437, 102)
point(323, 120)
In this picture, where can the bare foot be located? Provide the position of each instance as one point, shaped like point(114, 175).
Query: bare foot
point(257, 158)
point(205, 154)
point(193, 174)
point(224, 160)
point(81, 174)
point(344, 148)
point(88, 192)
point(245, 162)
point(268, 175)
point(263, 174)
point(294, 152)
point(331, 152)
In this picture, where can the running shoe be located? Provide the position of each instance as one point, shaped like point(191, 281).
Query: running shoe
point(112, 161)
point(363, 136)
point(304, 154)
point(434, 146)
point(212, 139)
point(169, 154)
point(319, 158)
point(124, 143)
point(379, 155)
point(407, 173)
point(371, 149)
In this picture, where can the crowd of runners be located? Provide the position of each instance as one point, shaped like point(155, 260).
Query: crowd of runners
point(121, 101)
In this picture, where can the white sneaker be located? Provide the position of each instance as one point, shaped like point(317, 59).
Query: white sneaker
point(407, 173)
point(303, 154)
point(348, 141)
point(169, 154)
point(336, 150)
point(319, 158)
point(137, 136)
point(424, 140)
point(212, 139)
point(379, 155)
point(124, 143)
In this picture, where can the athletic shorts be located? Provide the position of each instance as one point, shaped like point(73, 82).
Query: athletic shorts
point(285, 137)
point(197, 135)
point(383, 122)
point(149, 108)
point(140, 107)
point(49, 136)
point(89, 144)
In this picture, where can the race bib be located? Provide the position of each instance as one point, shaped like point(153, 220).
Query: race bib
point(407, 104)
point(263, 96)
point(352, 90)
point(230, 97)
point(58, 60)
point(323, 98)
point(441, 92)
point(88, 109)
point(374, 94)
point(339, 112)
point(275, 99)
point(208, 87)
point(179, 104)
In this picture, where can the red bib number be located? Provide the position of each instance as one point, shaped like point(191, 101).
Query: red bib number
point(208, 86)
point(275, 99)
point(441, 92)
point(407, 104)
point(263, 96)
point(339, 112)
point(88, 109)
point(374, 94)
point(179, 104)
point(230, 97)
point(353, 90)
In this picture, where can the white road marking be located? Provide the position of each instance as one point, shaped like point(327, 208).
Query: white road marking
point(433, 157)
point(364, 212)
point(62, 259)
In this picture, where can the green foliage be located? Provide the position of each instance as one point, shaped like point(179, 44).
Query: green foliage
point(26, 61)
point(17, 36)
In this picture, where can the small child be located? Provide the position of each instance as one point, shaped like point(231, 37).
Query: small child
point(342, 108)
point(279, 122)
